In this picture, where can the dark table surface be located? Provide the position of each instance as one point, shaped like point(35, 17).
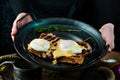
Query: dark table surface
point(7, 72)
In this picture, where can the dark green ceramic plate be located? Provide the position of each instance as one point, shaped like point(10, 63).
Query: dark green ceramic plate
point(66, 29)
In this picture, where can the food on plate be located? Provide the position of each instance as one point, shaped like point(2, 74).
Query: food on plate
point(40, 44)
point(50, 46)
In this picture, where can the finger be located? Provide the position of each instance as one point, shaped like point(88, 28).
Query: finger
point(14, 30)
point(23, 19)
point(111, 46)
point(108, 25)
point(21, 23)
point(109, 50)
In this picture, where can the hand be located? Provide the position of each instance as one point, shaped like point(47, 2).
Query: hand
point(27, 18)
point(107, 33)
point(24, 18)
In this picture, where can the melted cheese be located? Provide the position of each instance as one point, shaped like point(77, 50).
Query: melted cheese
point(67, 48)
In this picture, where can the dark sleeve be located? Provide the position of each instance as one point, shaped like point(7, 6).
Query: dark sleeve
point(19, 6)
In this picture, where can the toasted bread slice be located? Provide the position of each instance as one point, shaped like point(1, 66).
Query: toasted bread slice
point(72, 59)
point(77, 59)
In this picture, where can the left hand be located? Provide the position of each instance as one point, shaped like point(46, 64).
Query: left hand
point(107, 33)
point(27, 18)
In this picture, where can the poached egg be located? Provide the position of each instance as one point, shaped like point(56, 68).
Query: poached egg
point(67, 48)
point(40, 44)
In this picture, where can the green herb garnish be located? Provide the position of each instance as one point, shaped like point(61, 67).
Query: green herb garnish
point(53, 28)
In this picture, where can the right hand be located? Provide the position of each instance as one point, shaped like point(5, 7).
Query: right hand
point(107, 33)
point(20, 23)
